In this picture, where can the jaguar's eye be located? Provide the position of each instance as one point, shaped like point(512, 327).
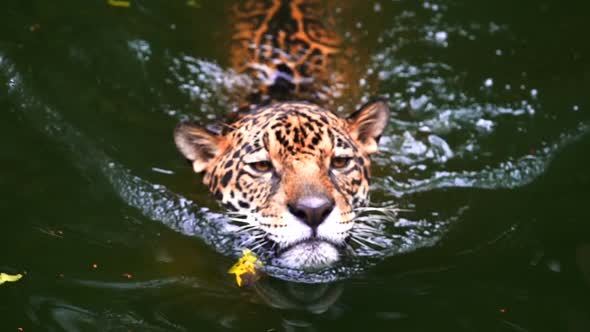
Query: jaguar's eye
point(340, 162)
point(261, 166)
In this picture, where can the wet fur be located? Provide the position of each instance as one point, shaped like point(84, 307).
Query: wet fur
point(280, 153)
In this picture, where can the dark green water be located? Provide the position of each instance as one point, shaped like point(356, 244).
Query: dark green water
point(488, 147)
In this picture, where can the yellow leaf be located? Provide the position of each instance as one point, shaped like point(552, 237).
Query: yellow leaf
point(119, 3)
point(246, 268)
point(9, 278)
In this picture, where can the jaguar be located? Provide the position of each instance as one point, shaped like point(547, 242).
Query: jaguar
point(289, 170)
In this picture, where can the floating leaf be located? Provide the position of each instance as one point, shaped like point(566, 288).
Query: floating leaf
point(246, 269)
point(9, 278)
point(119, 3)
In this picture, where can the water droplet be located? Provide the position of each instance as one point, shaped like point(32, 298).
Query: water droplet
point(383, 75)
point(442, 148)
point(418, 103)
point(484, 125)
point(424, 129)
point(441, 36)
point(11, 83)
point(554, 266)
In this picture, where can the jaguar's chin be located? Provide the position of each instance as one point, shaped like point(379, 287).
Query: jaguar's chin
point(310, 254)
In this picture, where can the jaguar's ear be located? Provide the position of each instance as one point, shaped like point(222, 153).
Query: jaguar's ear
point(367, 124)
point(197, 144)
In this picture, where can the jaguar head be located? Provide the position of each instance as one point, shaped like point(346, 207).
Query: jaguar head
point(292, 174)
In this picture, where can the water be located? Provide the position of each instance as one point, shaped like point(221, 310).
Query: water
point(486, 153)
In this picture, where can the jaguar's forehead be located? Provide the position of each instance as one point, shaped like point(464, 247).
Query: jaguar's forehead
point(292, 129)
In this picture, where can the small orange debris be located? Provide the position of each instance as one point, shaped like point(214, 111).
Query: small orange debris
point(128, 275)
point(95, 266)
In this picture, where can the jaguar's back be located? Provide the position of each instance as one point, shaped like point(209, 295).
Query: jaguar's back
point(290, 48)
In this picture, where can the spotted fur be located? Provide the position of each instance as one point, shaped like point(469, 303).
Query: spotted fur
point(292, 173)
point(291, 49)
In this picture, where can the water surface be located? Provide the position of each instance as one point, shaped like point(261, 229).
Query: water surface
point(487, 150)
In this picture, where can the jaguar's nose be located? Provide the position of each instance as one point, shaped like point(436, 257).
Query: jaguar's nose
point(312, 210)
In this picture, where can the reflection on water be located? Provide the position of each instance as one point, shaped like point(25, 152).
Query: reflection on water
point(156, 305)
point(315, 298)
point(462, 124)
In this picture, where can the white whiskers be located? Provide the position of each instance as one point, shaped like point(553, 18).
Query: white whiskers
point(369, 224)
point(249, 232)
